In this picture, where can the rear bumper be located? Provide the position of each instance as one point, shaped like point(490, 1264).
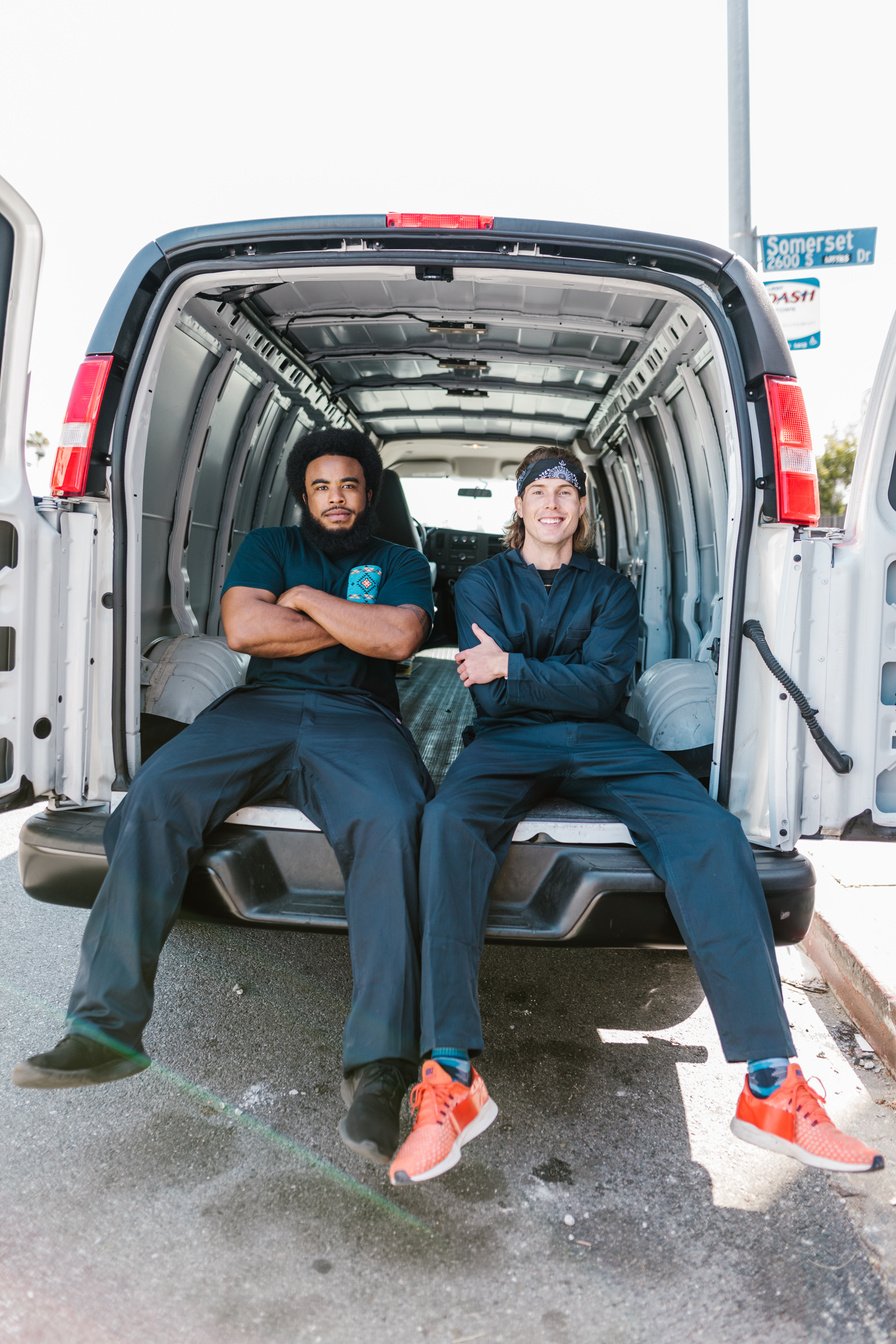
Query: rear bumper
point(583, 894)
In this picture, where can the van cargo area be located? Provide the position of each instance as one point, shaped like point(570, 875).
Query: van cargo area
point(456, 351)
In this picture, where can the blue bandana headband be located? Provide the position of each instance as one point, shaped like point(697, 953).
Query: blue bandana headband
point(552, 469)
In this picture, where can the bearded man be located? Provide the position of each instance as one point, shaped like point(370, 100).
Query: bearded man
point(325, 610)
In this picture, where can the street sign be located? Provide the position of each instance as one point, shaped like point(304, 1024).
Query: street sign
point(811, 251)
point(797, 307)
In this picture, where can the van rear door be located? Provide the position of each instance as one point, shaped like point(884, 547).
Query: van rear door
point(861, 699)
point(840, 645)
point(29, 543)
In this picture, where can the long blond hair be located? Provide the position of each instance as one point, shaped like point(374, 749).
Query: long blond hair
point(515, 531)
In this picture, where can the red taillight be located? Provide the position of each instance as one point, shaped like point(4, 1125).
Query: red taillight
point(79, 427)
point(396, 220)
point(795, 473)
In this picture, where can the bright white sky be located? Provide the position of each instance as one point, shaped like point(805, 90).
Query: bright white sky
point(119, 122)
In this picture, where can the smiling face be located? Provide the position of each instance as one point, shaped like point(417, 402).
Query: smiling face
point(335, 493)
point(550, 511)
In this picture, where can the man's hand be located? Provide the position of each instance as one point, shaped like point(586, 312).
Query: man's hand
point(483, 663)
point(294, 598)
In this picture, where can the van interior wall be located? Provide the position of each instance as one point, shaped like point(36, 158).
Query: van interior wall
point(224, 418)
point(228, 407)
point(662, 486)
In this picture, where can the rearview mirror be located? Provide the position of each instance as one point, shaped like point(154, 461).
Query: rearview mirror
point(475, 492)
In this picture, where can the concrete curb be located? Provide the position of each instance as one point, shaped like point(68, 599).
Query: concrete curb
point(865, 999)
point(852, 942)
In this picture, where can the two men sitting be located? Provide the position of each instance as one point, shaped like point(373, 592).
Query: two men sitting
point(547, 640)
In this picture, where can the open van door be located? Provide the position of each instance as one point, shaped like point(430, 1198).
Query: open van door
point(863, 620)
point(836, 637)
point(29, 543)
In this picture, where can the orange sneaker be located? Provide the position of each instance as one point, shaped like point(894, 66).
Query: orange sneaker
point(793, 1121)
point(447, 1114)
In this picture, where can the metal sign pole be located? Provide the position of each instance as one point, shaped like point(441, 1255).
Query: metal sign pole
point(741, 236)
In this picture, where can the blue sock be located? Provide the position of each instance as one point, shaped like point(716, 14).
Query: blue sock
point(766, 1075)
point(455, 1062)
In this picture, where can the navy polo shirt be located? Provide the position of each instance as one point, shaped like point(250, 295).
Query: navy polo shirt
point(277, 558)
point(572, 649)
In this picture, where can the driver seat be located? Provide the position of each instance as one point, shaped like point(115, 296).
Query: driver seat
point(393, 517)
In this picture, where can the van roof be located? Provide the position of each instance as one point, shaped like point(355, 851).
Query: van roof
point(688, 256)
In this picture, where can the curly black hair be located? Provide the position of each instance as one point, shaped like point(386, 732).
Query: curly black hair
point(333, 443)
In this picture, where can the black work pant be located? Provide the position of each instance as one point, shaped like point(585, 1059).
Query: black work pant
point(695, 846)
point(351, 769)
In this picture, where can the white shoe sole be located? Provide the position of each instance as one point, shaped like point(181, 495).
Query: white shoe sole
point(741, 1129)
point(476, 1127)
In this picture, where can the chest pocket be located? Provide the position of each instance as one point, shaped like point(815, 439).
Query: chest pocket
point(574, 637)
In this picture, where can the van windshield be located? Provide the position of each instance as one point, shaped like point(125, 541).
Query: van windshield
point(461, 503)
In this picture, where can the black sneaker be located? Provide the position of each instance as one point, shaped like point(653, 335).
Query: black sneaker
point(373, 1094)
point(78, 1061)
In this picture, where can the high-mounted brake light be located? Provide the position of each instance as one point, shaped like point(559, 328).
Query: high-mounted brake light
point(396, 220)
point(79, 427)
point(796, 476)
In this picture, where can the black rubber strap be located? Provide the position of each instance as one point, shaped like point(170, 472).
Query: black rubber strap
point(836, 759)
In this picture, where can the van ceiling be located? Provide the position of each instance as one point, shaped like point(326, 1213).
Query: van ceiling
point(491, 355)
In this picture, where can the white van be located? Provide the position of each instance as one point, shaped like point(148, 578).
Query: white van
point(456, 343)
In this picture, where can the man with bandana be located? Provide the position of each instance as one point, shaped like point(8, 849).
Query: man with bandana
point(325, 610)
point(548, 638)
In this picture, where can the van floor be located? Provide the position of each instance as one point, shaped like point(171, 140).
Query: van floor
point(436, 706)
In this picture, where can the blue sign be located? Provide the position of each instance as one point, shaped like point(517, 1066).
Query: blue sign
point(811, 251)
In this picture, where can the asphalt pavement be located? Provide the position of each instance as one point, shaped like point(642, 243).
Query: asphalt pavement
point(209, 1199)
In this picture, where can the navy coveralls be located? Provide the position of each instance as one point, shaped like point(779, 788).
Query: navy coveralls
point(320, 730)
point(554, 727)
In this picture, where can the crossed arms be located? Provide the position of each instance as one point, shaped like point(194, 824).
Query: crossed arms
point(304, 619)
point(588, 683)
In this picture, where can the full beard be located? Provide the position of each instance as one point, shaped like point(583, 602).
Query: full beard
point(337, 542)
